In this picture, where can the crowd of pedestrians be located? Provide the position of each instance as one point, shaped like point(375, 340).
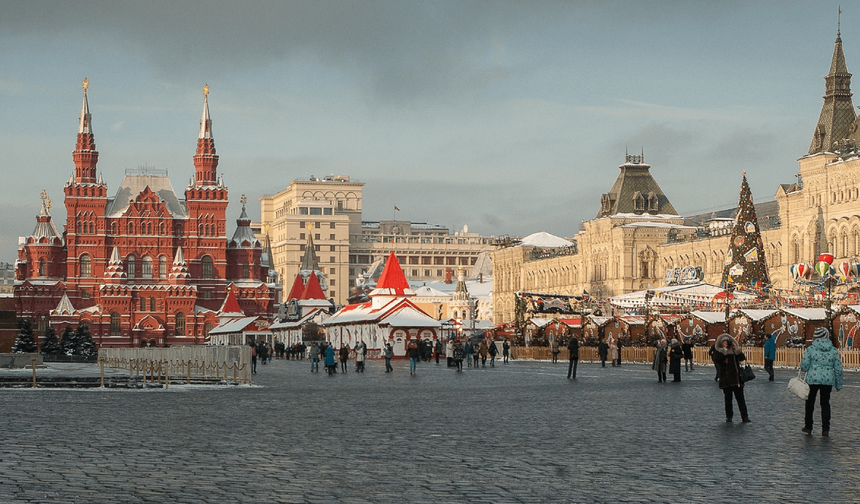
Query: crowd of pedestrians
point(821, 363)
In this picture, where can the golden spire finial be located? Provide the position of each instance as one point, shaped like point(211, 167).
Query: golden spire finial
point(244, 200)
point(44, 194)
point(205, 89)
point(85, 83)
point(48, 203)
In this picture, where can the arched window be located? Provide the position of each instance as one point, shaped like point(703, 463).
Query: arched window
point(115, 324)
point(86, 266)
point(113, 228)
point(208, 327)
point(146, 267)
point(162, 267)
point(131, 228)
point(142, 304)
point(180, 324)
point(152, 304)
point(130, 266)
point(92, 228)
point(161, 229)
point(43, 267)
point(206, 262)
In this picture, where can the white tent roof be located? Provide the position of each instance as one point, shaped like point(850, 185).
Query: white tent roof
point(675, 294)
point(544, 239)
point(807, 313)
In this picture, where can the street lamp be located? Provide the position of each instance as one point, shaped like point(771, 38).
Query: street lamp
point(829, 283)
point(649, 295)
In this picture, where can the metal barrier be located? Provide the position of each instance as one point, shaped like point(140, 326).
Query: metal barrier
point(197, 363)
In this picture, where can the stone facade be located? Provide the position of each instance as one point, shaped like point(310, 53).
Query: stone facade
point(618, 252)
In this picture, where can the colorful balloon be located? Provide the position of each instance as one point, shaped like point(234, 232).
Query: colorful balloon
point(823, 269)
point(844, 270)
point(826, 257)
point(801, 271)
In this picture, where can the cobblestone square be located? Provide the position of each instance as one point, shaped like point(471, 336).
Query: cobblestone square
point(518, 432)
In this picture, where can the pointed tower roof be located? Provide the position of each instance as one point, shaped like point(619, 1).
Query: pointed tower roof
point(64, 307)
point(179, 271)
point(297, 289)
point(310, 262)
point(115, 270)
point(313, 290)
point(44, 225)
point(244, 237)
point(392, 282)
point(230, 307)
point(635, 191)
point(837, 113)
point(85, 155)
point(206, 159)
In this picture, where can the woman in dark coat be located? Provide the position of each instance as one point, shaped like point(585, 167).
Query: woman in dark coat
point(603, 352)
point(727, 357)
point(675, 356)
point(659, 363)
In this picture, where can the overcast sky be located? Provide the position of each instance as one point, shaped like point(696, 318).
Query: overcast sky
point(510, 117)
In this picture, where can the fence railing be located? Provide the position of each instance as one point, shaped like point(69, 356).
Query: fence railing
point(785, 357)
point(187, 363)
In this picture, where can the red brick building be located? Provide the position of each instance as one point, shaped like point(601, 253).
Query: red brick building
point(144, 266)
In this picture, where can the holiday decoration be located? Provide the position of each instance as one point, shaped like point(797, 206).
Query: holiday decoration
point(745, 260)
point(826, 257)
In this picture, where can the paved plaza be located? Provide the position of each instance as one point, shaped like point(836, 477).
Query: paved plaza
point(518, 432)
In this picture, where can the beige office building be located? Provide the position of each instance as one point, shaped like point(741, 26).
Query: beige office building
point(328, 211)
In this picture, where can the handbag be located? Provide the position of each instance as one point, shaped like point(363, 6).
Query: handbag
point(745, 373)
point(798, 386)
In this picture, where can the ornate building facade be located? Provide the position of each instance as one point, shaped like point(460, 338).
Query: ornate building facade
point(636, 237)
point(144, 266)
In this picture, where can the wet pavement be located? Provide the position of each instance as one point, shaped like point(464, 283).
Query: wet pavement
point(518, 432)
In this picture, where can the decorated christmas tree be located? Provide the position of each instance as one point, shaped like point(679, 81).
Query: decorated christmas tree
point(745, 261)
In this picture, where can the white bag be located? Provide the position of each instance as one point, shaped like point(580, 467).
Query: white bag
point(798, 386)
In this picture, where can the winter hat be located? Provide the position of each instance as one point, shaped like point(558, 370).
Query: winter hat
point(821, 332)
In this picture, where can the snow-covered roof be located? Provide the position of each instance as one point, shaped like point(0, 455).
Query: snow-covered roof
point(540, 322)
point(407, 317)
point(710, 317)
point(134, 184)
point(293, 324)
point(644, 216)
point(675, 294)
point(544, 239)
point(807, 313)
point(233, 325)
point(756, 315)
point(427, 291)
point(652, 224)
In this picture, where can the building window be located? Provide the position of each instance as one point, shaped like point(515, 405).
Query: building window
point(331, 259)
point(180, 324)
point(414, 273)
point(206, 262)
point(331, 271)
point(162, 267)
point(208, 327)
point(326, 211)
point(130, 267)
point(332, 248)
point(331, 281)
point(131, 228)
point(302, 224)
point(86, 266)
point(142, 304)
point(438, 273)
point(303, 211)
point(331, 236)
point(316, 236)
point(331, 294)
point(152, 304)
point(317, 224)
point(115, 324)
point(331, 225)
point(246, 271)
point(301, 236)
point(43, 268)
point(316, 211)
point(113, 228)
point(85, 293)
point(146, 267)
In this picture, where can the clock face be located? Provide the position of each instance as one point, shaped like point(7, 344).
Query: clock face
point(395, 230)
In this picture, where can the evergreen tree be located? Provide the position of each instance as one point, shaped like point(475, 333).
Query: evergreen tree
point(745, 261)
point(50, 345)
point(67, 341)
point(84, 344)
point(24, 343)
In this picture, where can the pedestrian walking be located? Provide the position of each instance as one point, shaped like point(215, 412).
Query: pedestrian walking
point(728, 356)
point(613, 350)
point(468, 349)
point(449, 352)
point(388, 353)
point(506, 351)
point(675, 356)
point(458, 354)
point(484, 350)
point(573, 356)
point(687, 348)
point(314, 357)
point(360, 355)
point(555, 351)
point(823, 368)
point(493, 352)
point(619, 346)
point(253, 357)
point(660, 358)
point(769, 355)
point(603, 352)
point(343, 355)
point(414, 353)
point(330, 364)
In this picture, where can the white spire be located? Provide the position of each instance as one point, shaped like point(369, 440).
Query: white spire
point(85, 117)
point(179, 259)
point(205, 121)
point(114, 257)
